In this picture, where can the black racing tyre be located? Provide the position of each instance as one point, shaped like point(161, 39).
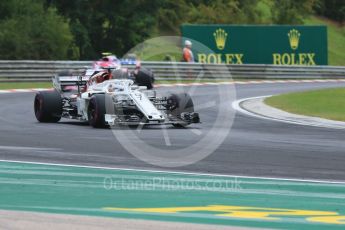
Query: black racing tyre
point(180, 103)
point(48, 106)
point(96, 111)
point(144, 77)
point(119, 74)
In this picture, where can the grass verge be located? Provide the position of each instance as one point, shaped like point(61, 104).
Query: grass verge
point(327, 103)
point(24, 85)
point(336, 39)
point(29, 85)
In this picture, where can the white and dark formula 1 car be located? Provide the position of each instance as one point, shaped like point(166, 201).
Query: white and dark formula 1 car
point(113, 97)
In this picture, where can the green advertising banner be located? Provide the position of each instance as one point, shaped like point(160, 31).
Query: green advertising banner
point(279, 45)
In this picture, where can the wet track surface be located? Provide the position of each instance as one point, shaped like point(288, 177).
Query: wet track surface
point(253, 147)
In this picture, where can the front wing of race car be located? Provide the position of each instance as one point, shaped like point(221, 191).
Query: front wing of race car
point(185, 119)
point(136, 108)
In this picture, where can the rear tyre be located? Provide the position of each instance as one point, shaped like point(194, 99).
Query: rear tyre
point(144, 77)
point(178, 104)
point(48, 106)
point(96, 111)
point(119, 74)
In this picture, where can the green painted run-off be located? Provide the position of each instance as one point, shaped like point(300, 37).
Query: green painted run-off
point(98, 192)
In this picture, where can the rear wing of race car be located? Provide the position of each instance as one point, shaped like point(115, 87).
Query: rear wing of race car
point(67, 82)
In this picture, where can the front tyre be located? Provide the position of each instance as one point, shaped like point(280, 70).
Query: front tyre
point(144, 77)
point(178, 105)
point(48, 106)
point(96, 111)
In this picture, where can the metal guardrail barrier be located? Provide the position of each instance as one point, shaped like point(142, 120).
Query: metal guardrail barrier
point(25, 71)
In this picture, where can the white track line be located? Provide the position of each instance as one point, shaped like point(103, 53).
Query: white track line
point(236, 106)
point(181, 173)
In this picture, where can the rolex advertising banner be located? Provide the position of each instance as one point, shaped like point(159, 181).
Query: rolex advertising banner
point(279, 45)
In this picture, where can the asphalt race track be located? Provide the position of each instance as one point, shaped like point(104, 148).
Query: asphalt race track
point(253, 147)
